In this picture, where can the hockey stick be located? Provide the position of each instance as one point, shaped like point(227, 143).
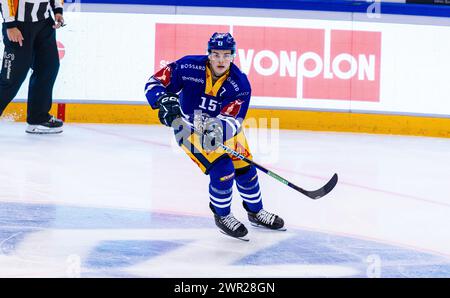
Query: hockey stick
point(315, 194)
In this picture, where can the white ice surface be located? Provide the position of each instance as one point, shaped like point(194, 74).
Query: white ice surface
point(392, 189)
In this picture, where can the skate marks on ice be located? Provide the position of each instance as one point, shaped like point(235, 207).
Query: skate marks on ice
point(43, 240)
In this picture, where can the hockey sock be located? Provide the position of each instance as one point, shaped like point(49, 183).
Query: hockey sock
point(221, 186)
point(248, 186)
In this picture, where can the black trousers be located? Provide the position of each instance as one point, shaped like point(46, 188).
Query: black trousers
point(38, 52)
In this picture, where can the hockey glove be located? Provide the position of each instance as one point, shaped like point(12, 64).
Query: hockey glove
point(211, 132)
point(169, 108)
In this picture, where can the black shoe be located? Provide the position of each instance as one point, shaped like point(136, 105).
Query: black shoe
point(229, 225)
point(265, 219)
point(51, 126)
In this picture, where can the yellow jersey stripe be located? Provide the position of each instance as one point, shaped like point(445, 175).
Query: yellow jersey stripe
point(209, 88)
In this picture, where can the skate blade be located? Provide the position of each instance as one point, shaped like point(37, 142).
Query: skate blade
point(239, 238)
point(43, 132)
point(283, 229)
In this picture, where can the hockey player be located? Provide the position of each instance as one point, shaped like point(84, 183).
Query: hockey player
point(205, 99)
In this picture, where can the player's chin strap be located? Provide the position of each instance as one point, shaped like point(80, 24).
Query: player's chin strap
point(314, 194)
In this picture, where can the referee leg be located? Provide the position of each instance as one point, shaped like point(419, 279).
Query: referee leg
point(45, 69)
point(16, 63)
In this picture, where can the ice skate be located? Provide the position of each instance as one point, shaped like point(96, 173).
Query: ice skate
point(264, 219)
point(230, 226)
point(51, 126)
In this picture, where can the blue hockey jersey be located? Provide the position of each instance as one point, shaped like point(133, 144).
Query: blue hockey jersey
point(228, 99)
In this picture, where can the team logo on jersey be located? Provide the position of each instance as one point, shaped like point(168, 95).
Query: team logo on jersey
point(163, 75)
point(232, 109)
point(239, 148)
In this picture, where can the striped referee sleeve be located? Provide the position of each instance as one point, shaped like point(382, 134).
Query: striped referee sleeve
point(9, 9)
point(57, 6)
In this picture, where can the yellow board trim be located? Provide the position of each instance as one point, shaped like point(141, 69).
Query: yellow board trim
point(12, 5)
point(286, 119)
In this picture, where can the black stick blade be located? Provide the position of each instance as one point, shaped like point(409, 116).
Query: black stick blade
point(317, 194)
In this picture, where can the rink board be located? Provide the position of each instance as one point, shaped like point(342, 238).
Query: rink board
point(337, 71)
point(262, 118)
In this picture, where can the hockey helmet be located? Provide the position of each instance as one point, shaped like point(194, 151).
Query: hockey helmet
point(222, 41)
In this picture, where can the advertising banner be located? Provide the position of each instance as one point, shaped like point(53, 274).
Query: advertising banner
point(309, 64)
